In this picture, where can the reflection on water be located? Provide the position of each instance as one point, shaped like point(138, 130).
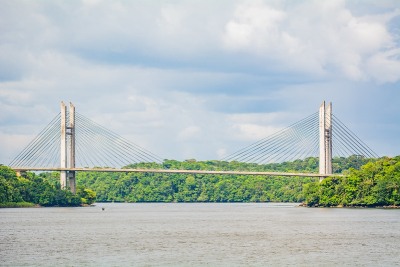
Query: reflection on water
point(175, 234)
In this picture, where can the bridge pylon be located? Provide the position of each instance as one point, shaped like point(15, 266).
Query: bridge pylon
point(67, 178)
point(325, 139)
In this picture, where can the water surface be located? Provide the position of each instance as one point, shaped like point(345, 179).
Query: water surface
point(177, 234)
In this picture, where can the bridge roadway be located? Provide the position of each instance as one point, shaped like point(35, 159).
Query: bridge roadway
point(22, 169)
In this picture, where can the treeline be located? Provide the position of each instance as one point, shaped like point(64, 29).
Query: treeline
point(309, 165)
point(158, 187)
point(375, 184)
point(34, 189)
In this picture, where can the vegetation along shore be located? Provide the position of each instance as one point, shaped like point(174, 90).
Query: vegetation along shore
point(366, 183)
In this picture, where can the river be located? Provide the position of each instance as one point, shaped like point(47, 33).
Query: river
point(199, 234)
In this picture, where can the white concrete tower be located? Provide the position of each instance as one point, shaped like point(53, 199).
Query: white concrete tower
point(67, 177)
point(325, 139)
point(71, 133)
point(63, 147)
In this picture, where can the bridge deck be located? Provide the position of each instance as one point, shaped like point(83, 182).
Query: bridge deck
point(177, 171)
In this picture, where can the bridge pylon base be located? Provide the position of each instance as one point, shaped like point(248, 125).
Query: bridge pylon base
point(72, 181)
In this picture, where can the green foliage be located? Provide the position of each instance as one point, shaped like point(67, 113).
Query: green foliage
point(158, 187)
point(8, 184)
point(87, 196)
point(35, 189)
point(16, 205)
point(310, 165)
point(44, 189)
point(375, 184)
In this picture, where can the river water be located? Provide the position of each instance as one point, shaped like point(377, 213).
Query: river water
point(177, 234)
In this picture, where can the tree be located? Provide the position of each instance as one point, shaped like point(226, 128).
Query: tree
point(376, 183)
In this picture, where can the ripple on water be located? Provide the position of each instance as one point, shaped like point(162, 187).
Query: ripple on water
point(173, 234)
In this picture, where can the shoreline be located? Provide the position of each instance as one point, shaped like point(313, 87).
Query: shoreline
point(18, 205)
point(351, 207)
point(32, 205)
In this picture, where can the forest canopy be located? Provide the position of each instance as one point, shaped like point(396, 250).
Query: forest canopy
point(159, 187)
point(365, 182)
point(375, 184)
point(36, 189)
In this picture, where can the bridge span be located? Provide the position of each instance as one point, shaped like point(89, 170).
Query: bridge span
point(20, 169)
point(71, 141)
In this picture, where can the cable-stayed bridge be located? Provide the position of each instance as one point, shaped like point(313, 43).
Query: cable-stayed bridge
point(72, 142)
point(320, 134)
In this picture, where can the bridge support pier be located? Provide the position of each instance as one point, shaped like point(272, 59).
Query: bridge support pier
point(67, 178)
point(325, 139)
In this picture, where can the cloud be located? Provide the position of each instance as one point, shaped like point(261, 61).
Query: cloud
point(316, 37)
point(251, 20)
point(253, 127)
point(189, 133)
point(385, 67)
point(196, 79)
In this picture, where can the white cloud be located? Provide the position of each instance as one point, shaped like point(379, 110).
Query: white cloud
point(190, 132)
point(11, 145)
point(255, 25)
point(190, 78)
point(221, 153)
point(253, 127)
point(316, 37)
point(385, 67)
point(172, 19)
point(253, 132)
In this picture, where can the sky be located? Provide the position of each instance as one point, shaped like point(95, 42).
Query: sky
point(199, 79)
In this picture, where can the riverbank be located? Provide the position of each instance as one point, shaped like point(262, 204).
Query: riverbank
point(18, 205)
point(33, 205)
point(350, 207)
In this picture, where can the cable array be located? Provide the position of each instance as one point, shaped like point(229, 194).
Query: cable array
point(345, 143)
point(43, 150)
point(298, 141)
point(301, 140)
point(97, 146)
